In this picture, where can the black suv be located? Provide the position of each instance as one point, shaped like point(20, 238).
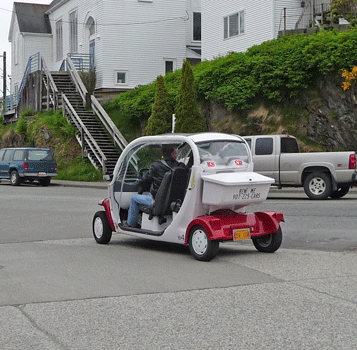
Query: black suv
point(27, 164)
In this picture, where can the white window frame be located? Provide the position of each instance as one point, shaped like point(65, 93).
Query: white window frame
point(126, 74)
point(173, 60)
point(73, 31)
point(228, 30)
point(59, 39)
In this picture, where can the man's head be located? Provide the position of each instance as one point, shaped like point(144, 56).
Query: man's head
point(169, 151)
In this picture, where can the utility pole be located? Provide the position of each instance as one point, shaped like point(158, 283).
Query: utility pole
point(4, 78)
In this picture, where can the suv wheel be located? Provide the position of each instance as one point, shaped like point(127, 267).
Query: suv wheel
point(15, 178)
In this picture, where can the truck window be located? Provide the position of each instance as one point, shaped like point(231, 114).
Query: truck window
point(249, 142)
point(264, 146)
point(289, 145)
point(8, 154)
point(19, 154)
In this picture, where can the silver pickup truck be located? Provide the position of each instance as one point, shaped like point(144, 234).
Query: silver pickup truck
point(322, 174)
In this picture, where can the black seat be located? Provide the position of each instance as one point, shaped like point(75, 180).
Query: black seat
point(171, 191)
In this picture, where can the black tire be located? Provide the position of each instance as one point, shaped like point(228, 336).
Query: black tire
point(269, 243)
point(102, 231)
point(45, 182)
point(201, 248)
point(15, 178)
point(318, 185)
point(340, 192)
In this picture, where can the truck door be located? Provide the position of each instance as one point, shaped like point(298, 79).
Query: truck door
point(265, 161)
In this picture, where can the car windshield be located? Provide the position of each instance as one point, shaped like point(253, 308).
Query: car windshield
point(223, 152)
point(39, 154)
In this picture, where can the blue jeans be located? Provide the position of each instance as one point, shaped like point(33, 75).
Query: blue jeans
point(135, 202)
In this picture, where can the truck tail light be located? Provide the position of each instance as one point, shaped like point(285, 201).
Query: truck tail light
point(25, 166)
point(353, 161)
point(56, 166)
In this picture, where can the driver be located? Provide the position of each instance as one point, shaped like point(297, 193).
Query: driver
point(156, 174)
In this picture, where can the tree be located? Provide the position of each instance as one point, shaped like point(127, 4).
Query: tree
point(188, 116)
point(159, 121)
point(344, 7)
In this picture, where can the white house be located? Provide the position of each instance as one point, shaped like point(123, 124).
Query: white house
point(131, 41)
point(30, 33)
point(236, 25)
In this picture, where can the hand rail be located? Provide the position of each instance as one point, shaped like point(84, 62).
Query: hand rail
point(66, 106)
point(50, 85)
point(108, 123)
point(77, 80)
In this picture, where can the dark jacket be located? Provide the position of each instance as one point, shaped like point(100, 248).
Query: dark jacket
point(157, 172)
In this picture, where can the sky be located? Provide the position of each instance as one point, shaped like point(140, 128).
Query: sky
point(6, 7)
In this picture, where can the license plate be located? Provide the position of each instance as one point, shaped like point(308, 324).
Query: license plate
point(42, 174)
point(241, 234)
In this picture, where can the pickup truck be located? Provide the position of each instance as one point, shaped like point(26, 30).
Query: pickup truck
point(322, 174)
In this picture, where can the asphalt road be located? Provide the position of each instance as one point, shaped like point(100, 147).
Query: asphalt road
point(61, 290)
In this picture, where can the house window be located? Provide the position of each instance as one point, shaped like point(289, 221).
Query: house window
point(233, 25)
point(73, 32)
point(121, 77)
point(169, 66)
point(59, 40)
point(197, 26)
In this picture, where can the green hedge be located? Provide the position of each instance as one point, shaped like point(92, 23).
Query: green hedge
point(277, 70)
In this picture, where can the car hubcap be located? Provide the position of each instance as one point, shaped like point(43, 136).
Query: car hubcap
point(317, 186)
point(98, 227)
point(199, 242)
point(13, 178)
point(265, 241)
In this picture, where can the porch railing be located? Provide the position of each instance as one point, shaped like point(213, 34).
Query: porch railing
point(311, 9)
point(82, 62)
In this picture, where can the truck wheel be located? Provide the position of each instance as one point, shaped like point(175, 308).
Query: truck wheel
point(102, 231)
point(269, 243)
point(15, 178)
point(340, 192)
point(200, 246)
point(318, 185)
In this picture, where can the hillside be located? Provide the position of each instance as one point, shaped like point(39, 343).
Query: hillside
point(289, 85)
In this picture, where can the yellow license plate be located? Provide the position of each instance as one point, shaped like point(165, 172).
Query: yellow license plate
point(240, 234)
point(42, 174)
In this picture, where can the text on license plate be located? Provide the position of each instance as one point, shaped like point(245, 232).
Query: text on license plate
point(240, 234)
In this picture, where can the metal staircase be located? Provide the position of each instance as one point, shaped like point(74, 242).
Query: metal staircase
point(99, 138)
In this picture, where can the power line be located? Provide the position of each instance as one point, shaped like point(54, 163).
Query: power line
point(185, 18)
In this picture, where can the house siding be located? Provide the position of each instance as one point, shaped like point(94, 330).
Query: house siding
point(258, 26)
point(293, 11)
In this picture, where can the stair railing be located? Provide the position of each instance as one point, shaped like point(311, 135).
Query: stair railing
point(51, 88)
point(118, 138)
point(85, 137)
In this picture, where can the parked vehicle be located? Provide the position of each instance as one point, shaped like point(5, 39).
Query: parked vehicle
point(322, 174)
point(27, 164)
point(199, 207)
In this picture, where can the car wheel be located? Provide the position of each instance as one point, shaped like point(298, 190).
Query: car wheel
point(15, 178)
point(318, 185)
point(340, 192)
point(201, 247)
point(102, 231)
point(45, 182)
point(269, 243)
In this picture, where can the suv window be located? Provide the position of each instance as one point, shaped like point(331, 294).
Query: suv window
point(1, 153)
point(38, 154)
point(8, 154)
point(19, 154)
point(264, 146)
